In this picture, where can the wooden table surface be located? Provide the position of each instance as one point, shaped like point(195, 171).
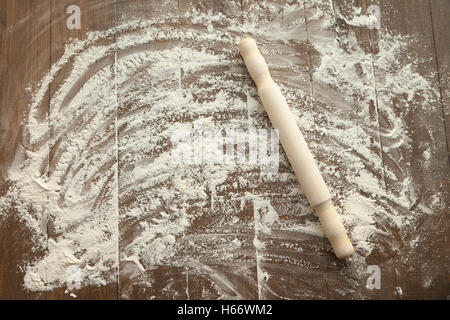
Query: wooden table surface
point(292, 265)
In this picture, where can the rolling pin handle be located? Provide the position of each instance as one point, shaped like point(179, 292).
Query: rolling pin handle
point(334, 230)
point(296, 148)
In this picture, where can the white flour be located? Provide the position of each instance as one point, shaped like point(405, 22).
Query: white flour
point(77, 191)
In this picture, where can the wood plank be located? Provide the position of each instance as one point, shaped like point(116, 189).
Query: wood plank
point(143, 274)
point(193, 267)
point(416, 170)
point(365, 115)
point(24, 59)
point(91, 132)
point(222, 268)
point(439, 17)
point(290, 261)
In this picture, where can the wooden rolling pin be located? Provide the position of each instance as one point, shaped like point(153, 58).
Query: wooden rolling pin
point(297, 151)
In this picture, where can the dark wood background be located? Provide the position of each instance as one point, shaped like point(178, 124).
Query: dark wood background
point(33, 35)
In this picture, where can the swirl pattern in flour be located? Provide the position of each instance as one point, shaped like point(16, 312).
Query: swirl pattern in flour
point(99, 168)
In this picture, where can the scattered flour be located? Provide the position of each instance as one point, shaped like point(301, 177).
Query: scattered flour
point(67, 169)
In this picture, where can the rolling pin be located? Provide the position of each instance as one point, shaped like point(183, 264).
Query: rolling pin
point(308, 175)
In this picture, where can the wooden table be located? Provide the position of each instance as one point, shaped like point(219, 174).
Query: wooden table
point(292, 264)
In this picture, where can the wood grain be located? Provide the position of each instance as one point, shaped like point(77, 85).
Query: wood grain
point(24, 60)
point(426, 128)
point(99, 16)
point(33, 36)
point(363, 113)
point(441, 39)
